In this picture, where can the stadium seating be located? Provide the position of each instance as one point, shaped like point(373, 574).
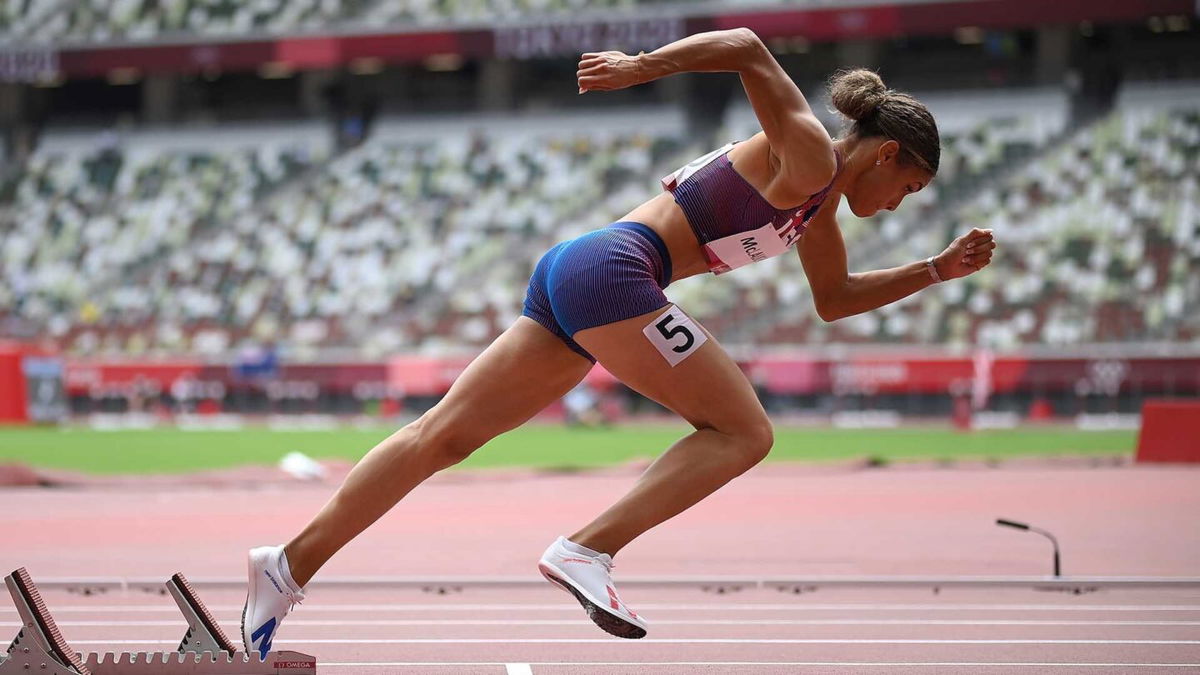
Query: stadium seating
point(133, 20)
point(113, 247)
point(385, 247)
point(428, 11)
point(106, 20)
point(23, 17)
point(1099, 244)
point(423, 237)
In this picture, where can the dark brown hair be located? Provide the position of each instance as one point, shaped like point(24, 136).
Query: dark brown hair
point(875, 110)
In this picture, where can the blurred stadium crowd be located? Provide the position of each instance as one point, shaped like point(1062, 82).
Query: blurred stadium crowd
point(417, 233)
point(410, 241)
point(131, 20)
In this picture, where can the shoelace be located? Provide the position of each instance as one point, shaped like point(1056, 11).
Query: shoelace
point(292, 597)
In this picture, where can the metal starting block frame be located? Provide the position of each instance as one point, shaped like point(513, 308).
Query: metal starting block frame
point(205, 649)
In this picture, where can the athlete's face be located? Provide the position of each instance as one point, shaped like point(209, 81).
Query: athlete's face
point(885, 181)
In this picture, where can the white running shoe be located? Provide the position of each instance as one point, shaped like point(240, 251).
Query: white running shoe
point(270, 595)
point(589, 579)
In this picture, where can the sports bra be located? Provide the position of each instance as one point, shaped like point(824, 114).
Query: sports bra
point(734, 223)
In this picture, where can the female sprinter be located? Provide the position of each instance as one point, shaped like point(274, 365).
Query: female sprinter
point(599, 297)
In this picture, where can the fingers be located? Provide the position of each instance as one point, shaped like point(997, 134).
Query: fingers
point(605, 71)
point(978, 248)
point(590, 66)
point(588, 78)
point(593, 69)
point(979, 255)
point(976, 264)
point(978, 260)
point(592, 82)
point(591, 58)
point(978, 236)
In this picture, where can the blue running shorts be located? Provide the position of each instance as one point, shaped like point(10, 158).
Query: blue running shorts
point(606, 275)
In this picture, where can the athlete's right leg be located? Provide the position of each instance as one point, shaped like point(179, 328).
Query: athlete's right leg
point(523, 371)
point(526, 369)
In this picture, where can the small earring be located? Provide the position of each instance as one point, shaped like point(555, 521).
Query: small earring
point(876, 162)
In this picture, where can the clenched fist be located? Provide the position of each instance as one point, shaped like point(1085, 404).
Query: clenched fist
point(607, 71)
point(965, 255)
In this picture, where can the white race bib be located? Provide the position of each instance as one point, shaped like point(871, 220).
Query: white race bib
point(743, 248)
point(674, 335)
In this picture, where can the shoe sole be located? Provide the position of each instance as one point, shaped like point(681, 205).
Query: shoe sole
point(607, 621)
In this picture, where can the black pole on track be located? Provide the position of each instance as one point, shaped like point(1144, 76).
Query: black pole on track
point(1023, 526)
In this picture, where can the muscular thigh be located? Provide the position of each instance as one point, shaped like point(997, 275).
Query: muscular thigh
point(705, 386)
point(524, 370)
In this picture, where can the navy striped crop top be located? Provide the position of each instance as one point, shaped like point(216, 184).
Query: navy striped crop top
point(734, 223)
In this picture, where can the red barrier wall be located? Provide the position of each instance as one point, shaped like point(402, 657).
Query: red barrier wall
point(12, 387)
point(83, 375)
point(787, 375)
point(1170, 431)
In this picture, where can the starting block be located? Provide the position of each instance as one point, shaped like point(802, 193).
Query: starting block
point(40, 647)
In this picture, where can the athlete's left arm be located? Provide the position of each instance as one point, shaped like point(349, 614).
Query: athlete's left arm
point(838, 293)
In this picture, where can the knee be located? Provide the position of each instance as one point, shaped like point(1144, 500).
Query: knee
point(758, 439)
point(752, 440)
point(443, 440)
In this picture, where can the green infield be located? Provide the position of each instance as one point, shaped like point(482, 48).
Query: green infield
point(550, 447)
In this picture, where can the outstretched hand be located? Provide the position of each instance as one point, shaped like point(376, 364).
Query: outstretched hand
point(607, 71)
point(966, 255)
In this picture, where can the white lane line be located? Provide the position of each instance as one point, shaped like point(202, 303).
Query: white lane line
point(826, 664)
point(564, 607)
point(518, 669)
point(644, 641)
point(657, 622)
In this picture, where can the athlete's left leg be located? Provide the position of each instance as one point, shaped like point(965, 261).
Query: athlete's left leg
point(682, 367)
point(705, 387)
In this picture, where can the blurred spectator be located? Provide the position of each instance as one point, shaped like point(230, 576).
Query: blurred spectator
point(581, 407)
point(427, 244)
point(134, 20)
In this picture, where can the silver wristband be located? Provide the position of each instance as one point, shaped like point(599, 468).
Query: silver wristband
point(933, 270)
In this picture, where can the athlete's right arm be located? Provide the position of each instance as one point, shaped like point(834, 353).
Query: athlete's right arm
point(797, 138)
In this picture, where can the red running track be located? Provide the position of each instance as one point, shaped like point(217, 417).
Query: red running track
point(777, 521)
point(756, 630)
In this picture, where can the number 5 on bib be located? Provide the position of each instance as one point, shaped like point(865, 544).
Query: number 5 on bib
point(675, 335)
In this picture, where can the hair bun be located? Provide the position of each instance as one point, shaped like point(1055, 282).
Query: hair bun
point(857, 93)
